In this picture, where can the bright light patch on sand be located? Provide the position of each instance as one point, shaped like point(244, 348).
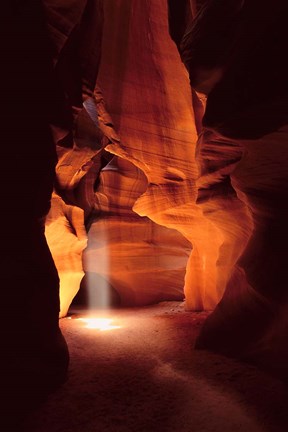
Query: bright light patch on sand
point(101, 324)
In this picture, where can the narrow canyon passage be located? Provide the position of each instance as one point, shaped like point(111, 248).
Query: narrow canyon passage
point(145, 147)
point(145, 376)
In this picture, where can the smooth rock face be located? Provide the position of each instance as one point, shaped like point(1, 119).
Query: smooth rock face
point(154, 180)
point(243, 157)
point(141, 194)
point(144, 262)
point(66, 235)
point(75, 31)
point(34, 355)
point(147, 93)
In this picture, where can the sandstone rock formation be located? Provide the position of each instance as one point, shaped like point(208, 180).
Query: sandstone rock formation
point(242, 188)
point(33, 351)
point(171, 204)
point(153, 170)
point(66, 235)
point(75, 31)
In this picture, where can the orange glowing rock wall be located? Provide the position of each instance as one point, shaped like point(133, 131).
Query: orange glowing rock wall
point(152, 175)
point(173, 193)
point(147, 92)
point(170, 209)
point(242, 155)
point(139, 210)
point(137, 214)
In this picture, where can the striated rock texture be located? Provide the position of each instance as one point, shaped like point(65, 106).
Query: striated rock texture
point(153, 171)
point(157, 116)
point(243, 154)
point(143, 261)
point(75, 31)
point(147, 93)
point(66, 235)
point(167, 166)
point(128, 246)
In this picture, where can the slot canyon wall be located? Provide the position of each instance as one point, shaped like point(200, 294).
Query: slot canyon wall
point(141, 214)
point(33, 351)
point(175, 206)
point(234, 53)
point(170, 125)
point(138, 214)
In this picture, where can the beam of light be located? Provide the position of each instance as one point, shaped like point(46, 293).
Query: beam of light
point(101, 324)
point(96, 263)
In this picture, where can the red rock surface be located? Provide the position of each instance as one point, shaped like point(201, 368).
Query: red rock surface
point(221, 188)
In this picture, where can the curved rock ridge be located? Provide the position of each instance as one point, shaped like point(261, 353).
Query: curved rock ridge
point(155, 181)
point(147, 92)
point(156, 127)
point(142, 261)
point(75, 31)
point(167, 192)
point(151, 180)
point(242, 187)
point(74, 199)
point(67, 238)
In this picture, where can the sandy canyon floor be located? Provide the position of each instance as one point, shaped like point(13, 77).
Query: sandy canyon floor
point(143, 375)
